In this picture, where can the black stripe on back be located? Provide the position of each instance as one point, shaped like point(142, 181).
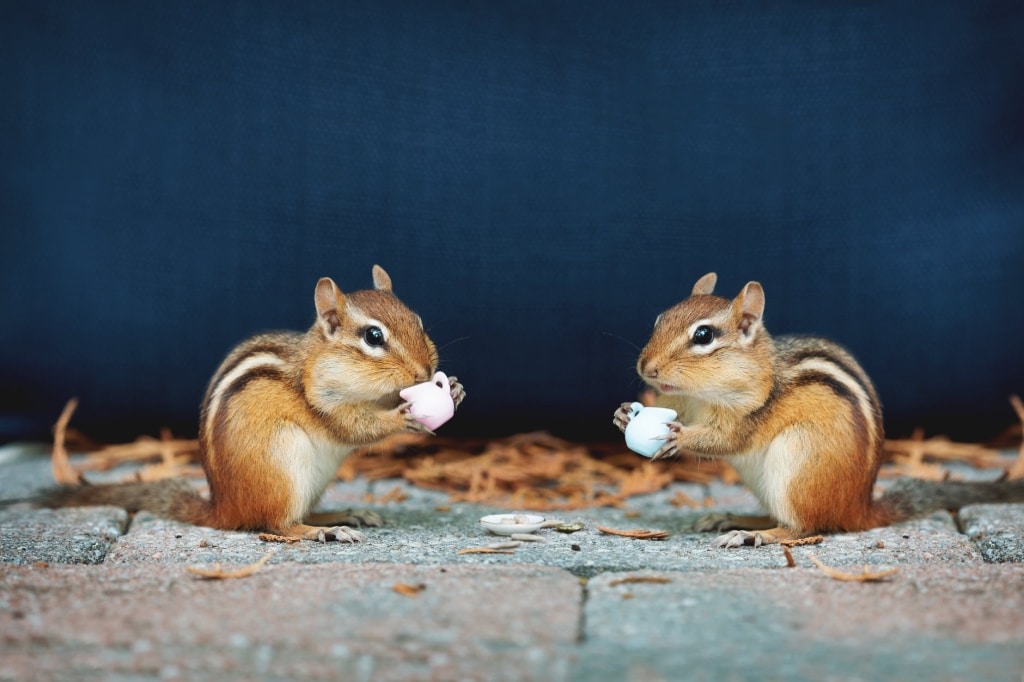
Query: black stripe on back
point(272, 346)
point(851, 372)
point(808, 377)
point(241, 382)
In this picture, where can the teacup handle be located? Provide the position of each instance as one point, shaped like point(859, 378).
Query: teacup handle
point(441, 381)
point(634, 409)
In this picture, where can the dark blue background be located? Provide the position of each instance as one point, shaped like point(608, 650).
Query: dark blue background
point(539, 178)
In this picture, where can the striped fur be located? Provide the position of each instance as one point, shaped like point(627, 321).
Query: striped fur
point(284, 409)
point(796, 415)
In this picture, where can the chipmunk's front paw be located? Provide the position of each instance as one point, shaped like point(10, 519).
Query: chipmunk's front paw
point(410, 423)
point(623, 415)
point(671, 447)
point(458, 391)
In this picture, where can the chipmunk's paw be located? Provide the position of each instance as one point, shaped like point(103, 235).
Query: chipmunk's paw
point(623, 415)
point(339, 534)
point(458, 391)
point(741, 538)
point(410, 423)
point(671, 446)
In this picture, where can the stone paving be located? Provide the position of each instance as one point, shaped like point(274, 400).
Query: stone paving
point(93, 594)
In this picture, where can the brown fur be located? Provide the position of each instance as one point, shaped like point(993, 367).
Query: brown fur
point(797, 415)
point(284, 408)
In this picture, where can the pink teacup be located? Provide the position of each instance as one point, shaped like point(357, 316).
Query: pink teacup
point(431, 402)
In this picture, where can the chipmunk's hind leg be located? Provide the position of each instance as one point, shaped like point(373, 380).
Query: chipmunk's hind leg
point(720, 521)
point(348, 517)
point(756, 538)
point(321, 533)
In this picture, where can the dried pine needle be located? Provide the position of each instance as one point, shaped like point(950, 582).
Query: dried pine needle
point(218, 573)
point(407, 590)
point(637, 534)
point(865, 576)
point(640, 579)
point(1016, 470)
point(681, 499)
point(63, 472)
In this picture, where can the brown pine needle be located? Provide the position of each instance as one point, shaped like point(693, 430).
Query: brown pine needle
point(865, 576)
point(640, 579)
point(912, 452)
point(681, 499)
point(396, 494)
point(1016, 470)
point(485, 550)
point(790, 561)
point(407, 590)
point(637, 534)
point(63, 472)
point(218, 573)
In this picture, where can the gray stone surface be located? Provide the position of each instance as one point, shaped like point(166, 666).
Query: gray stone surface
point(288, 622)
point(416, 532)
point(549, 611)
point(942, 622)
point(24, 470)
point(996, 529)
point(73, 536)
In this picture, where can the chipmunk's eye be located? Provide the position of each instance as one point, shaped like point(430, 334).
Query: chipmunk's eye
point(374, 337)
point(703, 335)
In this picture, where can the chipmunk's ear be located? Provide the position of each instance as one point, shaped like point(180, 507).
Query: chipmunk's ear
point(381, 280)
point(329, 304)
point(705, 285)
point(749, 308)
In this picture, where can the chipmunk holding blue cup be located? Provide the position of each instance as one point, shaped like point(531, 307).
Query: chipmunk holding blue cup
point(284, 409)
point(795, 415)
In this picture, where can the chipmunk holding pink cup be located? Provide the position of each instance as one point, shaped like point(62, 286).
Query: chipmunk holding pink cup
point(796, 416)
point(285, 408)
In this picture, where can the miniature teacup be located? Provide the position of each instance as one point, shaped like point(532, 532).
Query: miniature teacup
point(431, 402)
point(647, 428)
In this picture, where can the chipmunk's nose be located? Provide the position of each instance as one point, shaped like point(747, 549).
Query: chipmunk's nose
point(646, 369)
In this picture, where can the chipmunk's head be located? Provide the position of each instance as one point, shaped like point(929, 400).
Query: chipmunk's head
point(369, 344)
point(708, 347)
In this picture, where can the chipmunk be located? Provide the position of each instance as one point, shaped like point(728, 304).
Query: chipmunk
point(796, 416)
point(284, 409)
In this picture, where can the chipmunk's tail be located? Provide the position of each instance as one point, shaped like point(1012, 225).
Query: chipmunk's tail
point(172, 498)
point(911, 497)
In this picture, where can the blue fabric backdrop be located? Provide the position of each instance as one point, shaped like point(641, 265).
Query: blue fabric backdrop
point(540, 179)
